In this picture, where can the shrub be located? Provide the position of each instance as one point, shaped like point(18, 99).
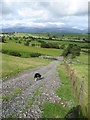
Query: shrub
point(26, 44)
point(39, 41)
point(16, 38)
point(35, 54)
point(24, 37)
point(29, 40)
point(10, 38)
point(76, 50)
point(53, 45)
point(33, 44)
point(19, 41)
point(49, 45)
point(54, 36)
point(62, 46)
point(3, 40)
point(15, 54)
point(50, 38)
point(4, 51)
point(72, 49)
point(44, 44)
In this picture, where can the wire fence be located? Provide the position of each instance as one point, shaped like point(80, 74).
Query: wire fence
point(73, 78)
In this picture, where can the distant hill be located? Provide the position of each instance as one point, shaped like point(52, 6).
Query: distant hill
point(39, 30)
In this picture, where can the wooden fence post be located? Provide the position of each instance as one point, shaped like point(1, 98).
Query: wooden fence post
point(69, 72)
point(67, 67)
point(75, 86)
point(72, 77)
point(81, 94)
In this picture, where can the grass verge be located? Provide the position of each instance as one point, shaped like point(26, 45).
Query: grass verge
point(56, 110)
point(81, 69)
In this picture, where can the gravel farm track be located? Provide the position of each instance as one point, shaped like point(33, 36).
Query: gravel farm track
point(32, 94)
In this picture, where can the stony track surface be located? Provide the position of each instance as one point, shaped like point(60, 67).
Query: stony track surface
point(23, 96)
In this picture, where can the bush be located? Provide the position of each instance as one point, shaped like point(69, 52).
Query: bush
point(3, 39)
point(72, 49)
point(76, 50)
point(4, 51)
point(53, 45)
point(35, 54)
point(44, 44)
point(19, 41)
point(10, 38)
point(29, 40)
point(50, 38)
point(49, 45)
point(26, 44)
point(16, 38)
point(62, 46)
point(33, 44)
point(39, 41)
point(15, 54)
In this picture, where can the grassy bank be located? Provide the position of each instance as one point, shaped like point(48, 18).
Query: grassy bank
point(56, 110)
point(81, 69)
point(13, 65)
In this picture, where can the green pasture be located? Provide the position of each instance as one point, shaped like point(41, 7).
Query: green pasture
point(67, 43)
point(81, 69)
point(36, 43)
point(22, 42)
point(13, 65)
point(26, 50)
point(55, 35)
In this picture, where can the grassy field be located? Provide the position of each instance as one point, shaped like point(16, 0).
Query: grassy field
point(82, 70)
point(26, 50)
point(56, 35)
point(67, 43)
point(13, 65)
point(67, 38)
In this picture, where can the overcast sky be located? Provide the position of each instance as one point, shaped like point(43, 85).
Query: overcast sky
point(55, 13)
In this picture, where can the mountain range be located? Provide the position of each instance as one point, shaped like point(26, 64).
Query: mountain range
point(45, 29)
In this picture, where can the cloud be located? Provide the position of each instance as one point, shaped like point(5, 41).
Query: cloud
point(61, 8)
point(6, 8)
point(55, 13)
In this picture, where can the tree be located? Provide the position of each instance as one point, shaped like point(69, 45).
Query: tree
point(19, 41)
point(26, 44)
point(62, 46)
point(50, 38)
point(49, 45)
point(3, 39)
point(74, 50)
